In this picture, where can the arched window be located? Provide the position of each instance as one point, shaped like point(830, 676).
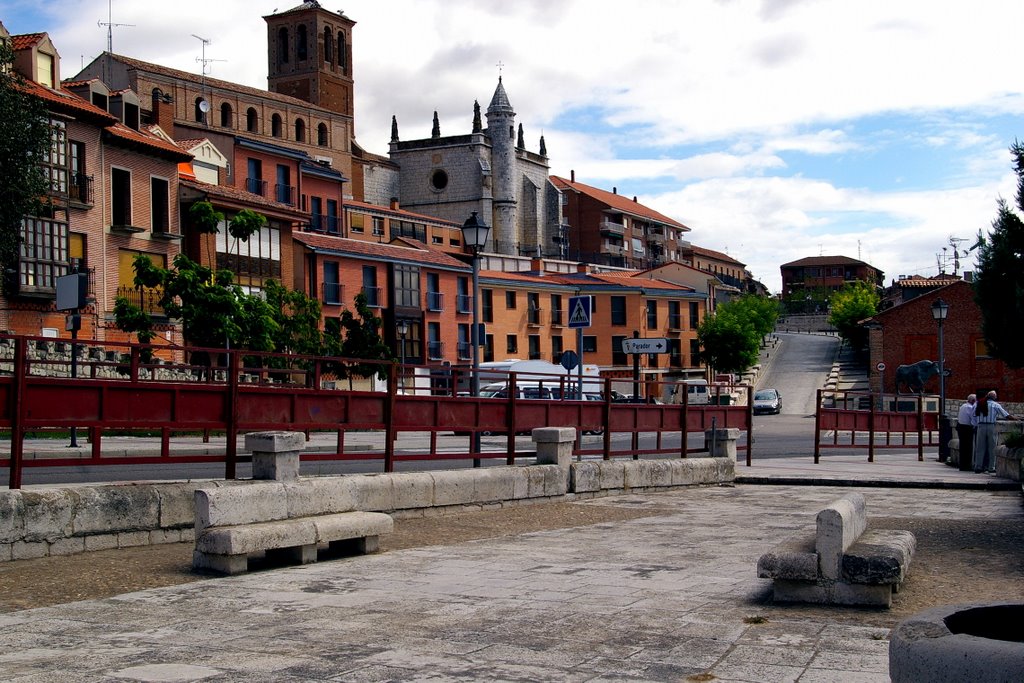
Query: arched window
point(328, 46)
point(252, 122)
point(282, 45)
point(200, 114)
point(275, 125)
point(300, 130)
point(342, 52)
point(301, 44)
point(321, 135)
point(225, 115)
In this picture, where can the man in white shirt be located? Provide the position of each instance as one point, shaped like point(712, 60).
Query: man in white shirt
point(986, 413)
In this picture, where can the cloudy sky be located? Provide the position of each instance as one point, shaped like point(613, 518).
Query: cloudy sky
point(775, 129)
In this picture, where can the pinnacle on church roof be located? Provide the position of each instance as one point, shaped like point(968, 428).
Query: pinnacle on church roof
point(394, 128)
point(477, 125)
point(500, 103)
point(435, 132)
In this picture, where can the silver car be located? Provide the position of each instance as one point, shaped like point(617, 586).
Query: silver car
point(767, 401)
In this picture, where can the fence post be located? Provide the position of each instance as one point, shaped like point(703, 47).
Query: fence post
point(750, 423)
point(606, 442)
point(817, 430)
point(17, 413)
point(231, 429)
point(920, 428)
point(871, 430)
point(389, 418)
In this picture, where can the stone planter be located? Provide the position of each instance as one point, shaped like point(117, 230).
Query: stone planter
point(1008, 462)
point(980, 642)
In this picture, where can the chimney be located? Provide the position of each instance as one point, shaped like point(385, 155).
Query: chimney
point(581, 268)
point(634, 199)
point(163, 111)
point(615, 190)
point(572, 175)
point(968, 276)
point(394, 203)
point(537, 264)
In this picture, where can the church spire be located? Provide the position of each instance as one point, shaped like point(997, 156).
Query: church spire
point(394, 128)
point(435, 132)
point(477, 125)
point(543, 147)
point(520, 140)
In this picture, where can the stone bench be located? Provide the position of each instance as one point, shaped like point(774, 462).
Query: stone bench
point(278, 514)
point(840, 561)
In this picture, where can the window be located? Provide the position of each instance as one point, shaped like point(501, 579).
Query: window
point(332, 216)
point(226, 115)
point(589, 344)
point(283, 190)
point(438, 180)
point(435, 347)
point(556, 348)
point(200, 113)
point(321, 135)
point(342, 52)
point(55, 164)
point(282, 45)
point(145, 298)
point(675, 353)
point(328, 47)
point(487, 305)
point(694, 315)
point(332, 284)
point(463, 299)
point(407, 286)
point(556, 309)
point(675, 318)
point(275, 125)
point(257, 257)
point(512, 343)
point(357, 221)
point(301, 44)
point(120, 197)
point(533, 308)
point(510, 300)
point(652, 315)
point(435, 299)
point(980, 349)
point(534, 342)
point(76, 252)
point(159, 204)
point(694, 353)
point(300, 130)
point(43, 253)
point(45, 72)
point(252, 122)
point(618, 355)
point(378, 225)
point(618, 304)
point(488, 348)
point(254, 179)
point(370, 288)
point(465, 350)
point(79, 186)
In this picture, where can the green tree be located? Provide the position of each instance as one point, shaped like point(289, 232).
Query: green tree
point(999, 276)
point(850, 305)
point(24, 139)
point(760, 312)
point(298, 320)
point(206, 220)
point(362, 340)
point(728, 344)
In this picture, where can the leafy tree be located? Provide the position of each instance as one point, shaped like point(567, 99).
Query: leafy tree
point(849, 305)
point(363, 340)
point(760, 312)
point(999, 276)
point(206, 220)
point(728, 344)
point(24, 140)
point(298, 320)
point(245, 224)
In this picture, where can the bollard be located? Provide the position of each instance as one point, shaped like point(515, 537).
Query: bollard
point(275, 455)
point(554, 445)
point(722, 442)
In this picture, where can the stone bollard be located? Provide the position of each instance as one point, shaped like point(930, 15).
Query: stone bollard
point(554, 445)
point(721, 443)
point(275, 455)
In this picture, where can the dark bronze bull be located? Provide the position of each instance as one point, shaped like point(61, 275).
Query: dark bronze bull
point(916, 375)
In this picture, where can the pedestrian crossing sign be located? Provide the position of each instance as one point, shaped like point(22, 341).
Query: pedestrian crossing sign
point(579, 311)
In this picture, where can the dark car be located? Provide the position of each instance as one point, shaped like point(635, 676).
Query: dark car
point(767, 401)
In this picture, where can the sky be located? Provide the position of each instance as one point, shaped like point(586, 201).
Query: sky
point(774, 129)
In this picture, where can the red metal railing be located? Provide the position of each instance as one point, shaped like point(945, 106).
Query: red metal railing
point(861, 417)
point(173, 390)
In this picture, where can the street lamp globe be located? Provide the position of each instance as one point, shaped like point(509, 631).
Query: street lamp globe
point(940, 309)
point(475, 232)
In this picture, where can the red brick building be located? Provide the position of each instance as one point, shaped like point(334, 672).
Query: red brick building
point(908, 333)
point(818, 276)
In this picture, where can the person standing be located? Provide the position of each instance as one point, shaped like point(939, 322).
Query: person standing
point(986, 413)
point(965, 432)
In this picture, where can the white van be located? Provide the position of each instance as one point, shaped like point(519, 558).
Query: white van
point(696, 391)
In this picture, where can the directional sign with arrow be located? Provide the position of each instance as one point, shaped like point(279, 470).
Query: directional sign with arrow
point(634, 345)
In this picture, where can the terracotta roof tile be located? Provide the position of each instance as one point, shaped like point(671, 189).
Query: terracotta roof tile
point(235, 194)
point(618, 202)
point(351, 203)
point(403, 252)
point(25, 41)
point(826, 261)
point(710, 253)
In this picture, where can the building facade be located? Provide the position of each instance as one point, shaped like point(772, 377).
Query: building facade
point(816, 277)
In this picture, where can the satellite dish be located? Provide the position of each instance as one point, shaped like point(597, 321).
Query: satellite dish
point(204, 106)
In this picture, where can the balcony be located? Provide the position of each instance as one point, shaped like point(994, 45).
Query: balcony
point(333, 293)
point(372, 296)
point(612, 228)
point(611, 249)
point(284, 194)
point(80, 189)
point(319, 222)
point(144, 298)
point(465, 350)
point(556, 318)
point(675, 322)
point(435, 350)
point(463, 303)
point(435, 301)
point(535, 317)
point(256, 186)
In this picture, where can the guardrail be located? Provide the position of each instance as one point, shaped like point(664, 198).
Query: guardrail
point(131, 388)
point(862, 417)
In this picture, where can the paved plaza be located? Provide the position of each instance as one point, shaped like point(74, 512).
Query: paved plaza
point(669, 597)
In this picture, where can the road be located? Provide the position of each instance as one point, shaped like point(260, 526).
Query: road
point(797, 367)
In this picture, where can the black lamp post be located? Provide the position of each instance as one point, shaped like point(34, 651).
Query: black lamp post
point(940, 309)
point(474, 236)
point(403, 330)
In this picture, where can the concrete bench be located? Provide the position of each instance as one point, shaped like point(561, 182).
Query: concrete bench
point(279, 514)
point(840, 561)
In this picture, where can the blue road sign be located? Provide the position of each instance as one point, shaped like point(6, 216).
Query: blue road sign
point(579, 311)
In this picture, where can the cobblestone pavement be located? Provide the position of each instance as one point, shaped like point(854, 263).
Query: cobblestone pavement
point(673, 596)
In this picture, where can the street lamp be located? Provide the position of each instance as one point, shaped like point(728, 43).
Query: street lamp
point(403, 330)
point(940, 309)
point(474, 236)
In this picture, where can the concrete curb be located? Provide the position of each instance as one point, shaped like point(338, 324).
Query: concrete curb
point(877, 483)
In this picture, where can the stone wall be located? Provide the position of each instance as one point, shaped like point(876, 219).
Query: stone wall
point(65, 521)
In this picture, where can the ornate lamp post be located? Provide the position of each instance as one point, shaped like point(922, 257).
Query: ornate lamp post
point(940, 309)
point(474, 236)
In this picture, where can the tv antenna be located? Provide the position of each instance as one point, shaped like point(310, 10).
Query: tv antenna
point(204, 104)
point(109, 23)
point(204, 60)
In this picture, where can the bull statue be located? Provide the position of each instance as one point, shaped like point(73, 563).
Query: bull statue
point(916, 375)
